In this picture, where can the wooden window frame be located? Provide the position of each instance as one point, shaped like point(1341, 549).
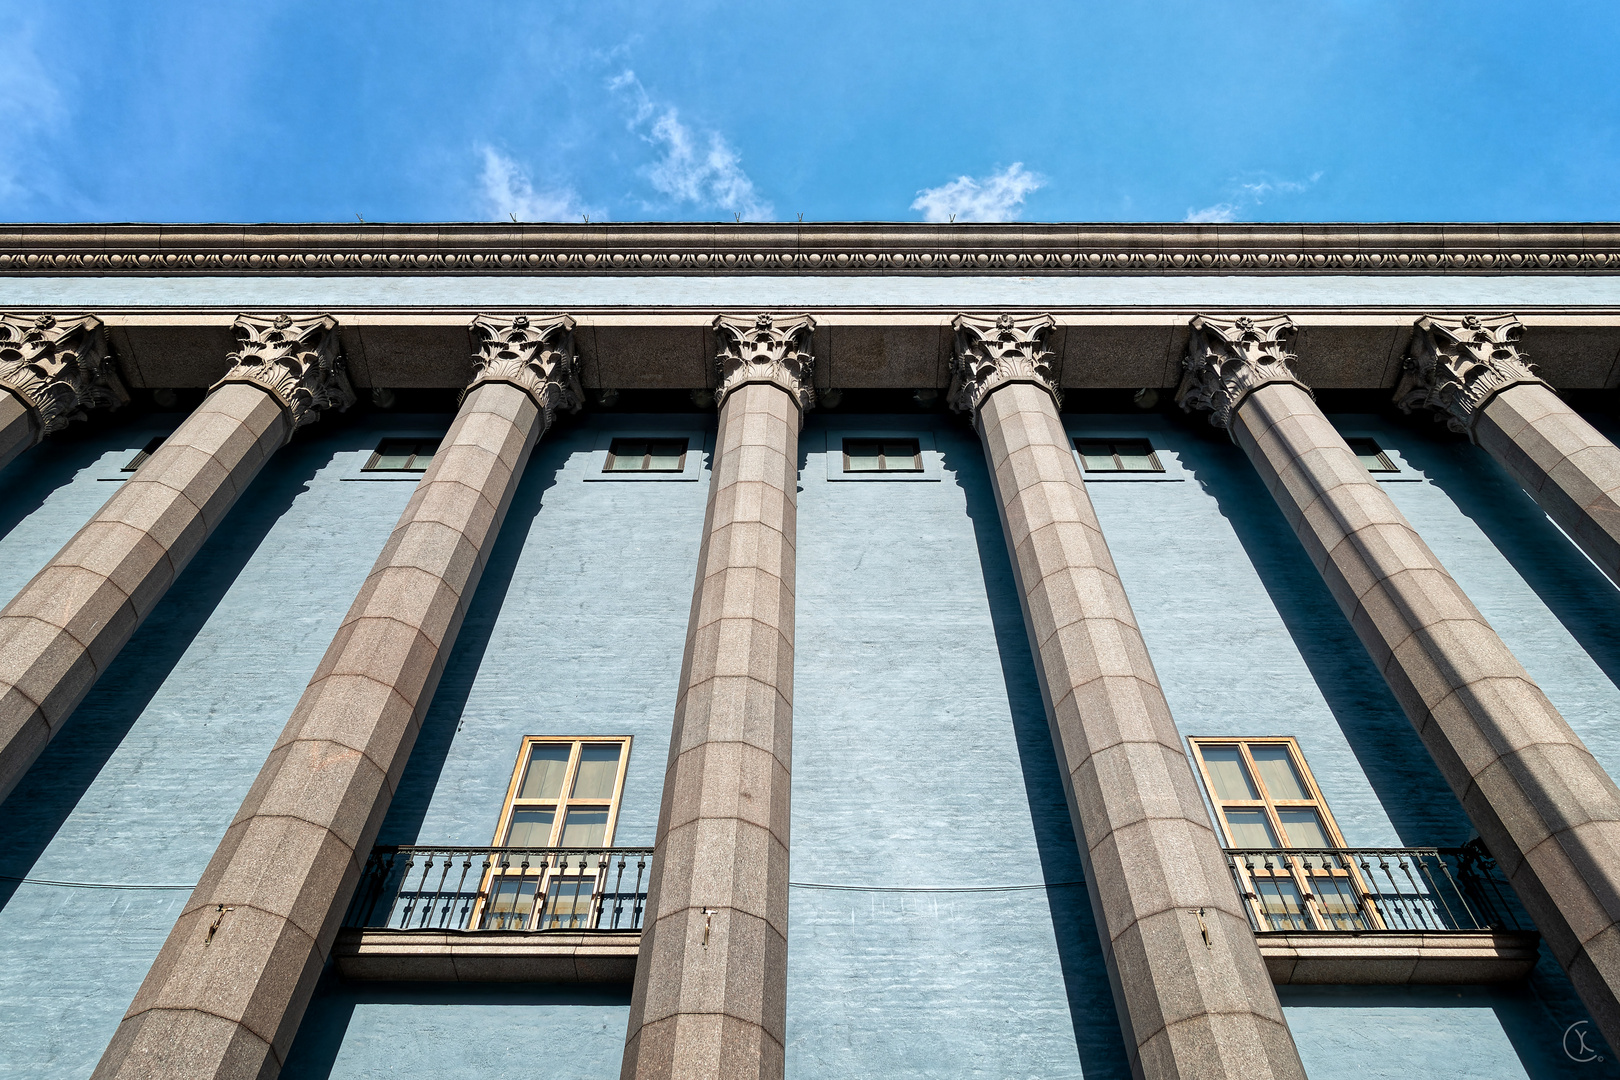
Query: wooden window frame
point(916, 465)
point(416, 452)
point(1309, 875)
point(1113, 451)
point(1385, 463)
point(548, 874)
point(646, 458)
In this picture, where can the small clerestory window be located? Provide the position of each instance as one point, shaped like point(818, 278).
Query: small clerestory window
point(882, 456)
point(1117, 455)
point(1372, 456)
point(646, 455)
point(402, 455)
point(142, 454)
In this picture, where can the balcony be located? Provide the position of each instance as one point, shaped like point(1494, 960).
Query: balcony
point(493, 914)
point(1384, 916)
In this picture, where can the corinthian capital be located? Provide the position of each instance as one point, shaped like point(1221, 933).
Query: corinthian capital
point(1230, 358)
point(535, 355)
point(991, 352)
point(762, 349)
point(296, 361)
point(58, 368)
point(1455, 365)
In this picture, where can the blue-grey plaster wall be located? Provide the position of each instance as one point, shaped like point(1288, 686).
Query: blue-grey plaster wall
point(577, 628)
point(922, 760)
point(1248, 641)
point(142, 781)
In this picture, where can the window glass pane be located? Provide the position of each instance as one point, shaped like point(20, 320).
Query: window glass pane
point(547, 764)
point(530, 828)
point(1097, 456)
point(424, 454)
point(1227, 772)
point(627, 455)
point(598, 770)
point(393, 454)
point(900, 456)
point(666, 455)
point(1280, 901)
point(142, 454)
point(1277, 772)
point(861, 455)
point(510, 901)
point(568, 904)
point(584, 828)
point(1303, 827)
point(1136, 456)
point(1336, 900)
point(1371, 455)
point(1250, 829)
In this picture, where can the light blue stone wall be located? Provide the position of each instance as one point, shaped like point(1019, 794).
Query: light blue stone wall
point(577, 628)
point(139, 786)
point(1248, 641)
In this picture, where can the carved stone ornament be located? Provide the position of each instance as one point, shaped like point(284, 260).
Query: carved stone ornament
point(58, 368)
point(1455, 365)
point(992, 352)
point(295, 360)
point(1230, 358)
point(534, 355)
point(763, 349)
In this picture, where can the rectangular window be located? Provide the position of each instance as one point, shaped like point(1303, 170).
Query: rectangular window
point(1372, 456)
point(1117, 455)
point(402, 455)
point(646, 455)
point(143, 453)
point(882, 455)
point(1268, 807)
point(564, 794)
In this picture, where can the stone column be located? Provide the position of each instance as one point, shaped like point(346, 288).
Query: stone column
point(1543, 806)
point(1475, 377)
point(1192, 991)
point(226, 994)
point(62, 630)
point(51, 369)
point(710, 998)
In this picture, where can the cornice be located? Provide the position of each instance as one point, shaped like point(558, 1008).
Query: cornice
point(1015, 249)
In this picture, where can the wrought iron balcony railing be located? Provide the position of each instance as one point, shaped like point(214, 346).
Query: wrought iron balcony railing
point(502, 888)
point(1382, 889)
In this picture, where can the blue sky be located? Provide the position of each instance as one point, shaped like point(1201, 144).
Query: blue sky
point(1241, 110)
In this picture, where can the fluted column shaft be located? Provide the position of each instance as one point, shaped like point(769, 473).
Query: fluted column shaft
point(18, 431)
point(710, 990)
point(1543, 806)
point(1192, 991)
point(1562, 462)
point(225, 996)
point(62, 630)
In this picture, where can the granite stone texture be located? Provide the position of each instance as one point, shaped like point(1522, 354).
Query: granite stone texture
point(228, 990)
point(710, 992)
point(18, 431)
point(1192, 991)
point(1542, 804)
point(1562, 462)
point(62, 630)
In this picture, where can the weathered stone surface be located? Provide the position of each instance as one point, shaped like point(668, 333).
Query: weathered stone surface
point(57, 368)
point(283, 876)
point(1543, 806)
point(66, 625)
point(1193, 994)
point(710, 996)
point(18, 431)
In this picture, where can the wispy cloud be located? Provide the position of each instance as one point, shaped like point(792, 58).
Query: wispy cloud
point(698, 168)
point(997, 197)
point(31, 110)
point(1245, 195)
point(509, 193)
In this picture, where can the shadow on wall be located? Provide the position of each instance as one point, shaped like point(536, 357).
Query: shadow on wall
point(1578, 594)
point(406, 1047)
point(1415, 797)
point(1092, 1008)
point(58, 781)
point(403, 825)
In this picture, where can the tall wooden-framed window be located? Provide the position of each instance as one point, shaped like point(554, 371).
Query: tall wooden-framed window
point(564, 793)
point(1269, 808)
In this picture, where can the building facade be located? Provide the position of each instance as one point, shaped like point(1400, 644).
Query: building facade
point(675, 651)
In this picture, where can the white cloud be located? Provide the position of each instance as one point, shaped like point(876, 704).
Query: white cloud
point(997, 197)
point(509, 193)
point(696, 167)
point(31, 111)
point(1246, 195)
